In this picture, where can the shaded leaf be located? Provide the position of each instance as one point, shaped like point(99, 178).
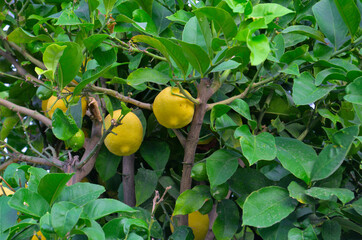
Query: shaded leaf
point(192, 200)
point(52, 184)
point(146, 182)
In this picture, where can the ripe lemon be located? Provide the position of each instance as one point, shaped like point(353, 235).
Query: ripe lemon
point(54, 103)
point(6, 190)
point(171, 109)
point(198, 223)
point(129, 134)
point(37, 235)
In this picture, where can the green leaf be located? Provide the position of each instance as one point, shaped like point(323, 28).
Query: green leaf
point(278, 231)
point(350, 14)
point(19, 35)
point(298, 193)
point(205, 29)
point(245, 181)
point(146, 182)
point(144, 75)
point(119, 228)
point(181, 16)
point(51, 57)
point(156, 159)
point(330, 22)
point(348, 225)
point(192, 200)
point(333, 154)
point(306, 31)
point(255, 148)
point(94, 41)
point(68, 18)
point(221, 165)
point(81, 193)
point(166, 181)
point(107, 163)
point(227, 220)
point(70, 63)
point(354, 93)
point(102, 207)
point(269, 11)
point(176, 52)
point(182, 233)
point(152, 42)
point(342, 194)
point(357, 205)
point(108, 5)
point(63, 126)
point(267, 206)
point(28, 202)
point(259, 48)
point(296, 157)
point(327, 114)
point(12, 175)
point(8, 215)
point(331, 230)
point(36, 174)
point(230, 64)
point(197, 57)
point(221, 18)
point(146, 5)
point(330, 74)
point(297, 234)
point(52, 184)
point(64, 216)
point(92, 233)
point(296, 54)
point(305, 92)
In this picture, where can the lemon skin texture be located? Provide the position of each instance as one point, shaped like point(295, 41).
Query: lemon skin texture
point(199, 224)
point(129, 134)
point(37, 235)
point(54, 103)
point(173, 111)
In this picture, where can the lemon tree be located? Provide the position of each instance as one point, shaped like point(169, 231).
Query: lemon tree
point(226, 119)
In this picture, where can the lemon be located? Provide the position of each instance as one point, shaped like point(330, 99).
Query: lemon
point(37, 235)
point(77, 141)
point(126, 138)
point(171, 109)
point(6, 190)
point(54, 103)
point(199, 224)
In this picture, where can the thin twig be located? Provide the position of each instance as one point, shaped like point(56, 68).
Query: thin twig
point(180, 137)
point(187, 96)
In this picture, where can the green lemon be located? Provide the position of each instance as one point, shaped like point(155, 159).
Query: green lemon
point(77, 141)
point(198, 172)
point(219, 192)
point(44, 92)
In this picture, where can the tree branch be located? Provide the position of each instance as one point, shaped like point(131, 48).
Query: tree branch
point(27, 55)
point(128, 180)
point(20, 69)
point(119, 96)
point(23, 110)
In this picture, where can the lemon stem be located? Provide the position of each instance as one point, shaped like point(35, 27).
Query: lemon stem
point(187, 96)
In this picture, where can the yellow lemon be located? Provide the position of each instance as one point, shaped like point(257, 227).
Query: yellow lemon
point(171, 109)
point(6, 190)
point(127, 137)
point(199, 224)
point(54, 103)
point(37, 235)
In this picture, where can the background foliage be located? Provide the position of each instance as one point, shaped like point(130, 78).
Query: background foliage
point(279, 94)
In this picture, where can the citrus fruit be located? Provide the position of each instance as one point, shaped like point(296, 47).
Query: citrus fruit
point(198, 171)
point(125, 138)
point(43, 92)
point(219, 192)
point(6, 190)
point(54, 103)
point(171, 109)
point(38, 236)
point(199, 224)
point(77, 141)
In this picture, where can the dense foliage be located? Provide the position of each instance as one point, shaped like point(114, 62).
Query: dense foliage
point(274, 146)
